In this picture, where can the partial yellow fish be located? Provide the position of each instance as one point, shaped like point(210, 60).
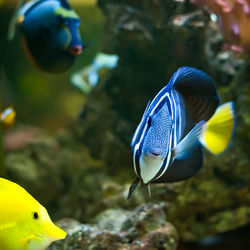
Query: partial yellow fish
point(8, 117)
point(24, 222)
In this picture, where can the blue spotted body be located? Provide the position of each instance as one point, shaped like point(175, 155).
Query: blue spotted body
point(160, 130)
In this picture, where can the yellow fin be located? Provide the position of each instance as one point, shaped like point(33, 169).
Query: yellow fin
point(219, 129)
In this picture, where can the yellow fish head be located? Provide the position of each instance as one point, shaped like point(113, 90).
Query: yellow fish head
point(44, 230)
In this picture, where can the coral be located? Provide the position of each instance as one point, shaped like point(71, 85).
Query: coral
point(233, 18)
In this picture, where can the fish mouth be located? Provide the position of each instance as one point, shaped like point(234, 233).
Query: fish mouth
point(155, 155)
point(75, 50)
point(58, 234)
point(53, 232)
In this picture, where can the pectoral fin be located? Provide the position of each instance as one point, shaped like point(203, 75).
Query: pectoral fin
point(24, 242)
point(189, 143)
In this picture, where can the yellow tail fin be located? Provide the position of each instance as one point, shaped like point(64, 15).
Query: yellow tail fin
point(219, 129)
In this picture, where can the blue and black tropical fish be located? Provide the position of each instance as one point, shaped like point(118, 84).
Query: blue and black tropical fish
point(50, 30)
point(182, 118)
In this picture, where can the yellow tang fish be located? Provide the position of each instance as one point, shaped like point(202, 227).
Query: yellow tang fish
point(8, 117)
point(24, 222)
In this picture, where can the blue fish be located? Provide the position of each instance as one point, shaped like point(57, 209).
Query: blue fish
point(50, 30)
point(184, 117)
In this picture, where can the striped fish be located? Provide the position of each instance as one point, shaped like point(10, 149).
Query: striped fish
point(182, 118)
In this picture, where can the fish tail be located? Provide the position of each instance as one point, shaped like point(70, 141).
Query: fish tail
point(219, 129)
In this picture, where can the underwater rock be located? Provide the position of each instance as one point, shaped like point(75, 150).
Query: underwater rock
point(144, 228)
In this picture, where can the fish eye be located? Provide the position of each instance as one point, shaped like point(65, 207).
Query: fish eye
point(35, 215)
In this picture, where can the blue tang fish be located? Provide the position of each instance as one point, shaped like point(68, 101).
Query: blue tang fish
point(184, 117)
point(50, 30)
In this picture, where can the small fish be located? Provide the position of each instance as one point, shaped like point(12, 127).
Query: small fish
point(24, 222)
point(88, 77)
point(101, 60)
point(184, 117)
point(50, 30)
point(8, 117)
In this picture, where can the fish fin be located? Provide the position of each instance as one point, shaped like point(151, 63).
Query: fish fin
point(219, 129)
point(6, 185)
point(65, 4)
point(145, 112)
point(198, 90)
point(181, 170)
point(133, 187)
point(16, 20)
point(23, 242)
point(139, 126)
point(149, 190)
point(188, 144)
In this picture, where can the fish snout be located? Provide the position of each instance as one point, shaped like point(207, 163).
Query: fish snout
point(54, 232)
point(75, 50)
point(59, 234)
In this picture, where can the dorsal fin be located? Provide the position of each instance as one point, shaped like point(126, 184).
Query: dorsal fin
point(30, 6)
point(65, 4)
point(198, 90)
point(7, 186)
